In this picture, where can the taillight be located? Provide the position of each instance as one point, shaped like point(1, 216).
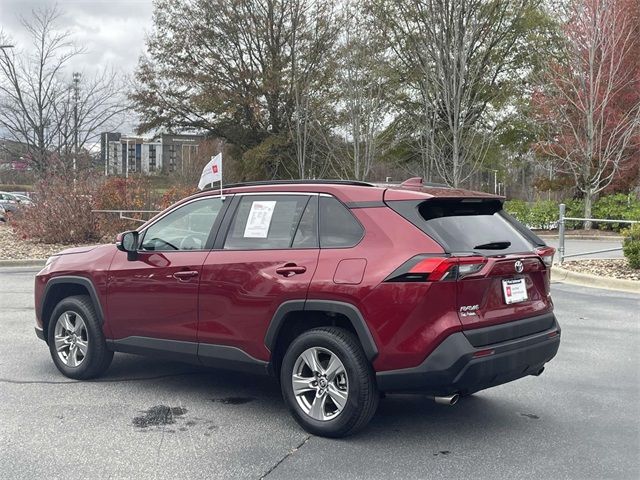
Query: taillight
point(432, 269)
point(546, 254)
point(470, 265)
point(423, 268)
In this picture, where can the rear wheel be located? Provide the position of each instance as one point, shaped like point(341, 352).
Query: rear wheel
point(76, 341)
point(328, 383)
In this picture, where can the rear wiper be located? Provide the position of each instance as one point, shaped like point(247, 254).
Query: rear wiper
point(493, 246)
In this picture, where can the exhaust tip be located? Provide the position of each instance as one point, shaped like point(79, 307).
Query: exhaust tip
point(448, 400)
point(539, 372)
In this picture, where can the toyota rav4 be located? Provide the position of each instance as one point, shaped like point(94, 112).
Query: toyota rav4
point(341, 290)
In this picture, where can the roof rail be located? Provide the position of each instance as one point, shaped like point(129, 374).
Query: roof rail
point(415, 182)
point(418, 182)
point(297, 182)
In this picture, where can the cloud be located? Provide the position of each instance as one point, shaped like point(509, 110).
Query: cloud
point(112, 32)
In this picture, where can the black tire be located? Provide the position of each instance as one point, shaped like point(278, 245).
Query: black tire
point(363, 396)
point(98, 357)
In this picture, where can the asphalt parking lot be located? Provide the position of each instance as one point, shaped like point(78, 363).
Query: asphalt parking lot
point(151, 419)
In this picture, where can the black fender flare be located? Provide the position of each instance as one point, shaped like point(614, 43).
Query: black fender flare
point(348, 310)
point(73, 280)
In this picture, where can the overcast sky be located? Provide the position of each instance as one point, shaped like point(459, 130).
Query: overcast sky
point(111, 31)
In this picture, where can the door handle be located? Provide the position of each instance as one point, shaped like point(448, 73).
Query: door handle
point(185, 275)
point(290, 269)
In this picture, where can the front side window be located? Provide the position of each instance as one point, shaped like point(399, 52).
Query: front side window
point(185, 228)
point(267, 222)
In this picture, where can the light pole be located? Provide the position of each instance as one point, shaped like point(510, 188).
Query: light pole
point(126, 171)
point(76, 96)
point(4, 155)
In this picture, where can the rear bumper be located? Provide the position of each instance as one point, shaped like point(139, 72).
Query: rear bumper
point(456, 366)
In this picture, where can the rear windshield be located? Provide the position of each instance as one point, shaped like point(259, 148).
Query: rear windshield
point(468, 225)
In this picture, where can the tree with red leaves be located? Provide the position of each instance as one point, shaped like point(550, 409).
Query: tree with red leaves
point(589, 102)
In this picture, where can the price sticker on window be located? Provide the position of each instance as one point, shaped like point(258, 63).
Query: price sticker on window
point(259, 219)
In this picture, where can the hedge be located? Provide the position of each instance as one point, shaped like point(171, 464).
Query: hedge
point(544, 214)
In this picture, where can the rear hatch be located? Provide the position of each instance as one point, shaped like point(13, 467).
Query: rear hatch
point(501, 268)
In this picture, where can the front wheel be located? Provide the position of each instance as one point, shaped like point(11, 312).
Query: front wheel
point(328, 383)
point(76, 341)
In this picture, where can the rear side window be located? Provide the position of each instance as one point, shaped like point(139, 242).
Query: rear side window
point(266, 222)
point(338, 227)
point(466, 225)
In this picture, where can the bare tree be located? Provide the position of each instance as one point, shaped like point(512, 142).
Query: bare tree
point(364, 103)
point(590, 101)
point(315, 28)
point(82, 114)
point(456, 54)
point(40, 107)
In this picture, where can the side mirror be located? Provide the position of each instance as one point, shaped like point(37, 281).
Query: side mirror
point(128, 242)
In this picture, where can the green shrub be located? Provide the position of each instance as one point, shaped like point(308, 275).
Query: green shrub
point(631, 246)
point(543, 215)
point(574, 208)
point(519, 209)
point(617, 206)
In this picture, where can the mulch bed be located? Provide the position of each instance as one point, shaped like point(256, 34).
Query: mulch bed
point(615, 268)
point(14, 248)
point(580, 233)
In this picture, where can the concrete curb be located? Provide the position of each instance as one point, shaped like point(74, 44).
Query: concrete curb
point(27, 262)
point(561, 275)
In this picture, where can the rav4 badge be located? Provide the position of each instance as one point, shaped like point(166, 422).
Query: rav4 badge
point(469, 310)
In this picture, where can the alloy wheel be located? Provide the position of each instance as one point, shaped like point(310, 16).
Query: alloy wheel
point(320, 383)
point(71, 339)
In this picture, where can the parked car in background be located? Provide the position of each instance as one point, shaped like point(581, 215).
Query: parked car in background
point(23, 199)
point(10, 201)
point(3, 216)
point(342, 290)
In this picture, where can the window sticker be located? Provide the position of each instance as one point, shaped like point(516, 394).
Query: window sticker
point(259, 219)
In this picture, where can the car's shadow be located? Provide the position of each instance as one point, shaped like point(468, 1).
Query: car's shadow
point(416, 416)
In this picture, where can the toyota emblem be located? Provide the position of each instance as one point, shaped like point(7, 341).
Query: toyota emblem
point(519, 266)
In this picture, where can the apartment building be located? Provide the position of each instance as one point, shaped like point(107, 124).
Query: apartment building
point(166, 153)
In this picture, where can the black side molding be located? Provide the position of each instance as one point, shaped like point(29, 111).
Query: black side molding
point(174, 349)
point(74, 280)
point(346, 309)
point(232, 358)
point(210, 355)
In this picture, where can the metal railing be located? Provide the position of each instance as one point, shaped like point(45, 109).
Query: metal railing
point(122, 214)
point(561, 224)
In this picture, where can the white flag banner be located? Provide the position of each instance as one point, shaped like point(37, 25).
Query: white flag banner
point(212, 172)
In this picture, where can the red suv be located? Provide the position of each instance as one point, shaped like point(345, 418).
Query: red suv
point(342, 290)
